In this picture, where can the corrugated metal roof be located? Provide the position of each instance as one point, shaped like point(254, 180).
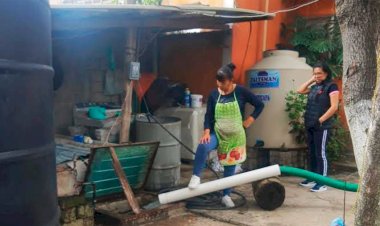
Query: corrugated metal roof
point(69, 153)
point(77, 17)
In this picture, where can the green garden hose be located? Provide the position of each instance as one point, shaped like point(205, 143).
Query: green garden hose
point(342, 185)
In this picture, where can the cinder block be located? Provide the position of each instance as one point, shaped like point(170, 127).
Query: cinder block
point(97, 76)
point(88, 222)
point(99, 97)
point(79, 222)
point(73, 201)
point(251, 162)
point(63, 115)
point(68, 215)
point(81, 212)
point(97, 87)
point(275, 157)
point(85, 211)
point(89, 211)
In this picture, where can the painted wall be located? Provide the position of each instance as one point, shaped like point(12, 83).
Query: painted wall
point(216, 3)
point(321, 8)
point(250, 39)
point(192, 59)
point(266, 35)
point(253, 37)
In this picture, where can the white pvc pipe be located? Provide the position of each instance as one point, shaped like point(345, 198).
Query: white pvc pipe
point(220, 184)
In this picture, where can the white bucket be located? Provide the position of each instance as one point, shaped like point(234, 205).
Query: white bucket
point(196, 100)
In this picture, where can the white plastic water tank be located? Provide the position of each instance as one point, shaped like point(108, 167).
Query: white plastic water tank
point(271, 79)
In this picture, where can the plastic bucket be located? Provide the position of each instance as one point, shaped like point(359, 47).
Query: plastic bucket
point(196, 100)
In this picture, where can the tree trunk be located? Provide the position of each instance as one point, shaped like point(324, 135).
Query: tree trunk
point(367, 207)
point(359, 22)
point(359, 69)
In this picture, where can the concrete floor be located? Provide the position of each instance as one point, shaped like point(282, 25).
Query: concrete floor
point(301, 207)
point(188, 219)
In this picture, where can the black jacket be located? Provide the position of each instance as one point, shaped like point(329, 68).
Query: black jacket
point(318, 102)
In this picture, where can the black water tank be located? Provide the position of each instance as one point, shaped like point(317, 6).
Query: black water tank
point(28, 193)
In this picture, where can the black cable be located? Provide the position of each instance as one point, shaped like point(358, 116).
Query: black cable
point(149, 115)
point(246, 49)
point(210, 201)
point(93, 197)
point(344, 204)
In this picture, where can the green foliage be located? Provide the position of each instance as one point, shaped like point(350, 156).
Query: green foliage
point(337, 142)
point(319, 41)
point(150, 2)
point(295, 107)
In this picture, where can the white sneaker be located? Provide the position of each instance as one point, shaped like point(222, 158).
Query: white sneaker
point(238, 169)
point(308, 183)
point(318, 188)
point(195, 181)
point(227, 201)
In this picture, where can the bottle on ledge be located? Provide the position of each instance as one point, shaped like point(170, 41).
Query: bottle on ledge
point(187, 98)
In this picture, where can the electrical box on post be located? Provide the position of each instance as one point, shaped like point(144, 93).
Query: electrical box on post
point(134, 71)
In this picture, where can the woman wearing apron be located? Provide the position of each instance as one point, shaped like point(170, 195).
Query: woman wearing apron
point(224, 127)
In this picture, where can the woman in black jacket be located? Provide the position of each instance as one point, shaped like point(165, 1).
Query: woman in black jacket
point(322, 103)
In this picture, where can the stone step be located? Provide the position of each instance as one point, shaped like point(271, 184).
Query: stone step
point(344, 166)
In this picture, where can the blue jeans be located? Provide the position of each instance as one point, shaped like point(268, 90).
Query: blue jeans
point(201, 156)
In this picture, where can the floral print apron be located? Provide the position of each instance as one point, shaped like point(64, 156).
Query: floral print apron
point(230, 132)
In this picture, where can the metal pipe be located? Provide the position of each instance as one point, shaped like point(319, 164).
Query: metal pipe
point(220, 184)
point(265, 32)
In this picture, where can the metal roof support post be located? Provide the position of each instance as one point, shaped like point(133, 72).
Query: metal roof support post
point(265, 27)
